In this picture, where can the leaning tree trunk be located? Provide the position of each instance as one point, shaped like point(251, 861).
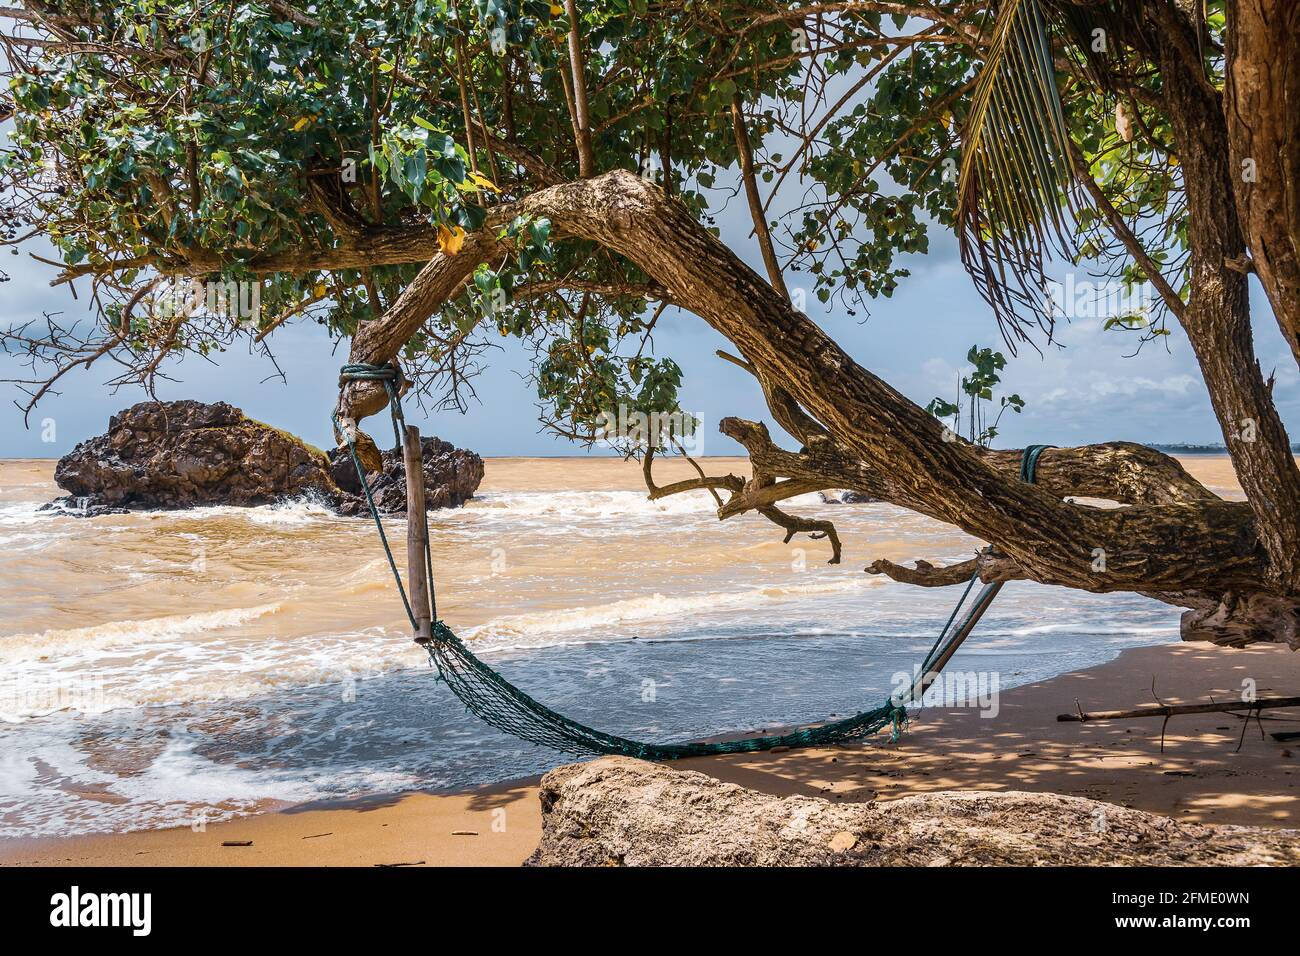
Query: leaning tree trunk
point(1189, 552)
point(1262, 107)
point(1217, 319)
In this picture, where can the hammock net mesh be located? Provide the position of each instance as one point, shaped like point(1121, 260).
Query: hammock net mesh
point(497, 702)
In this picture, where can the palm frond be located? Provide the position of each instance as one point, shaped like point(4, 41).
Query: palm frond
point(1018, 198)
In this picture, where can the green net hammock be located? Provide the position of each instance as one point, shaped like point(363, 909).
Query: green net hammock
point(501, 704)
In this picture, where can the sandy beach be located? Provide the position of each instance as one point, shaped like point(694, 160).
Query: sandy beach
point(1201, 776)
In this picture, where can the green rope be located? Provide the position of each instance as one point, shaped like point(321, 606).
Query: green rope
point(1029, 461)
point(391, 376)
point(499, 703)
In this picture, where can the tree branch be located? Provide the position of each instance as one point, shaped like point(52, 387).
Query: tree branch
point(755, 201)
point(1206, 545)
point(581, 112)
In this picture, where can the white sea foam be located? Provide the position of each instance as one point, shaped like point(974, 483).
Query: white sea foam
point(292, 512)
point(589, 505)
point(1100, 628)
point(176, 787)
point(600, 505)
point(131, 633)
point(563, 626)
point(24, 513)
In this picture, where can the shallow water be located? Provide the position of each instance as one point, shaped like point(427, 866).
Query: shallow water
point(159, 668)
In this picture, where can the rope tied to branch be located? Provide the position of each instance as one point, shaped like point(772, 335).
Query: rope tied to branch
point(392, 378)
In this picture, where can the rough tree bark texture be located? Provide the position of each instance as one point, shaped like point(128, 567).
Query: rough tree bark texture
point(1217, 319)
point(1192, 552)
point(622, 812)
point(1262, 106)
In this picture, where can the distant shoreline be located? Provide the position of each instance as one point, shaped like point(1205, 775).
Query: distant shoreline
point(1208, 450)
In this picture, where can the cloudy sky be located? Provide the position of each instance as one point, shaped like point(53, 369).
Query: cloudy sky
point(1081, 389)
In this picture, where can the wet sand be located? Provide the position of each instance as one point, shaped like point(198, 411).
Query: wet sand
point(1200, 776)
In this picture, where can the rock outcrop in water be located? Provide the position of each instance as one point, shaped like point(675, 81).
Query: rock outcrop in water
point(185, 454)
point(617, 811)
point(846, 496)
point(451, 476)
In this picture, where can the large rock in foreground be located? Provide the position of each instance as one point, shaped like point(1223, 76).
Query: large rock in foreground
point(617, 811)
point(185, 454)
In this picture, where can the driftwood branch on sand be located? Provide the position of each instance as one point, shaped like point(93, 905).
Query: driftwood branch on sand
point(1171, 710)
point(1252, 708)
point(617, 811)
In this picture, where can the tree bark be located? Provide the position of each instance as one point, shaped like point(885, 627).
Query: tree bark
point(581, 112)
point(1217, 318)
point(1262, 107)
point(380, 340)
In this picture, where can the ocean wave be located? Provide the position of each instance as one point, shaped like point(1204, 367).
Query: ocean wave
point(548, 627)
point(301, 511)
point(170, 671)
point(1097, 628)
point(25, 542)
point(23, 513)
point(27, 647)
point(583, 505)
point(291, 512)
point(176, 787)
point(175, 784)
